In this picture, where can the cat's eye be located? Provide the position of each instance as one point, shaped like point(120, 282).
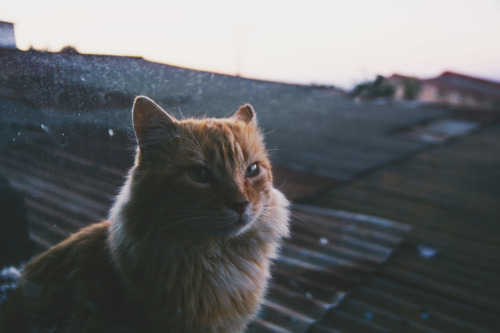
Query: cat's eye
point(200, 174)
point(252, 170)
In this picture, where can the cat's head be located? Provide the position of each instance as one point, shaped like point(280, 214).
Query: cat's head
point(205, 177)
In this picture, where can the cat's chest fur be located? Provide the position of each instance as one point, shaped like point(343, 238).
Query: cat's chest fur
point(221, 291)
point(216, 287)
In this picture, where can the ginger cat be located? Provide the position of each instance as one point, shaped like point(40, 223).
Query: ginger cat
point(187, 246)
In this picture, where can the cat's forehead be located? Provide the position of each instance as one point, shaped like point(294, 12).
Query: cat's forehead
point(223, 141)
point(213, 129)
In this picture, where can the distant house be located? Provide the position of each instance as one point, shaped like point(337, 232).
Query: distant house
point(7, 36)
point(450, 88)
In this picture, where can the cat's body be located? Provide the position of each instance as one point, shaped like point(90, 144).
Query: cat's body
point(188, 244)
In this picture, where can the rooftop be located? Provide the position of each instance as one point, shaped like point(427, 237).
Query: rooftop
point(459, 82)
point(391, 231)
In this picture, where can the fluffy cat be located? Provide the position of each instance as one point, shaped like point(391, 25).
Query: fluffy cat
point(187, 246)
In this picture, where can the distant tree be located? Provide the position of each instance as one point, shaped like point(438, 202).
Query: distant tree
point(69, 50)
point(411, 88)
point(374, 89)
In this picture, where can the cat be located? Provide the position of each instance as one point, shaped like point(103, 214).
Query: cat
point(188, 243)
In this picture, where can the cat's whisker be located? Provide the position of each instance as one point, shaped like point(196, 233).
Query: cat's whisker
point(190, 130)
point(180, 111)
point(299, 218)
point(271, 131)
point(182, 221)
point(170, 209)
point(191, 211)
point(193, 147)
point(283, 183)
point(291, 214)
point(203, 219)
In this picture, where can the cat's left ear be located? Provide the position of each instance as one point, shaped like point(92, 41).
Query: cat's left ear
point(152, 124)
point(246, 114)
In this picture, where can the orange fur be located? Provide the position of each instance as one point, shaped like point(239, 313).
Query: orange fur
point(188, 244)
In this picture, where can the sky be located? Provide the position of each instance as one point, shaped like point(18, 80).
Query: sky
point(313, 41)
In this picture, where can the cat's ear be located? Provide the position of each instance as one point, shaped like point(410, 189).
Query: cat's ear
point(246, 114)
point(152, 124)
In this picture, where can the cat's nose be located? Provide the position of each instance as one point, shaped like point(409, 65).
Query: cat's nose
point(239, 206)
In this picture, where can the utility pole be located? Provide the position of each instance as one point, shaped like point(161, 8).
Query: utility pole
point(238, 54)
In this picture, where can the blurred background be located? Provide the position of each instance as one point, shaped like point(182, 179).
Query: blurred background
point(338, 43)
point(382, 119)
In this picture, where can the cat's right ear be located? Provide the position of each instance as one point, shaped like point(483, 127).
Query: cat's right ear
point(152, 124)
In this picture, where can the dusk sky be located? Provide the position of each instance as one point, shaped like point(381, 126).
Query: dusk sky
point(313, 41)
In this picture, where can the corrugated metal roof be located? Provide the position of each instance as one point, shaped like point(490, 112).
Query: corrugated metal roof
point(445, 277)
point(307, 129)
point(339, 271)
point(440, 131)
point(329, 254)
